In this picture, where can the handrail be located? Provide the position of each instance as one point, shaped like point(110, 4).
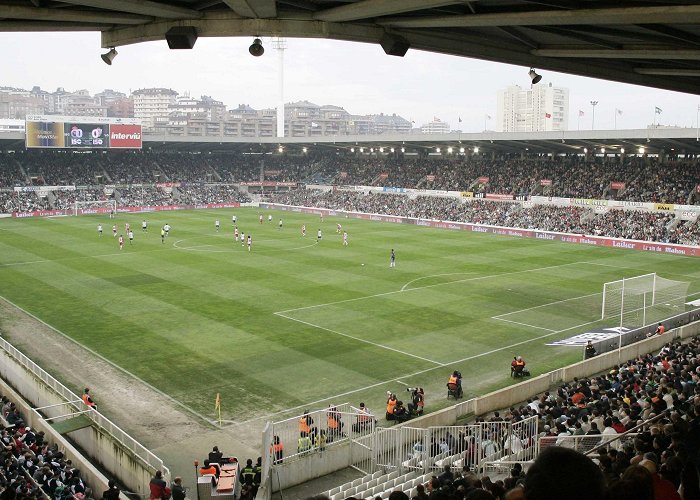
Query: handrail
point(152, 461)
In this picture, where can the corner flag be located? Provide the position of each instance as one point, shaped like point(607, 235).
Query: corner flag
point(217, 406)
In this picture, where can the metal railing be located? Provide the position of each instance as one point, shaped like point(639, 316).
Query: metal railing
point(74, 405)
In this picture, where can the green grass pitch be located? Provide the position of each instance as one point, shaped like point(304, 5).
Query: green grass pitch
point(298, 323)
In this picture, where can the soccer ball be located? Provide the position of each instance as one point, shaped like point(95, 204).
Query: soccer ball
point(362, 264)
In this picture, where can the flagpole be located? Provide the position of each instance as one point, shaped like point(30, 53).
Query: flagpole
point(697, 125)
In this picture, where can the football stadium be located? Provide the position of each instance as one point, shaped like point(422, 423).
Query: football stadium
point(487, 315)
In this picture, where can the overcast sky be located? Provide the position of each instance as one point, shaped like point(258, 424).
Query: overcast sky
point(358, 77)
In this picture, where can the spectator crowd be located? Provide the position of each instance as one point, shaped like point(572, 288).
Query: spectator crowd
point(146, 178)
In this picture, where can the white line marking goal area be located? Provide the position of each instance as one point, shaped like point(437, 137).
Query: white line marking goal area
point(404, 321)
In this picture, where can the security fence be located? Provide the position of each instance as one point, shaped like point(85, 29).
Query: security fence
point(406, 449)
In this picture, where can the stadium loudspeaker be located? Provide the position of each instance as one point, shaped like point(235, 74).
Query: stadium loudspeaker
point(534, 76)
point(394, 45)
point(109, 56)
point(181, 37)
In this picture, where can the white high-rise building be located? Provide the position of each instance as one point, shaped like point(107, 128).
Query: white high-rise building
point(152, 106)
point(537, 109)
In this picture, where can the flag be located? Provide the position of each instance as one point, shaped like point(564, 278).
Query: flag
point(618, 111)
point(581, 113)
point(460, 119)
point(657, 110)
point(217, 403)
point(547, 115)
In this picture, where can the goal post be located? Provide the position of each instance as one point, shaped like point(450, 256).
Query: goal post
point(614, 292)
point(640, 300)
point(101, 206)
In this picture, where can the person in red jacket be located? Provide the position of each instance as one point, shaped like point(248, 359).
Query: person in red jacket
point(158, 487)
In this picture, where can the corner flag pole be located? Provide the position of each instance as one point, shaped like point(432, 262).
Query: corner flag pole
point(217, 407)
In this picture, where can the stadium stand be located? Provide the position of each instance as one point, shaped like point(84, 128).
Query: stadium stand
point(32, 467)
point(644, 411)
point(645, 179)
point(615, 223)
point(148, 179)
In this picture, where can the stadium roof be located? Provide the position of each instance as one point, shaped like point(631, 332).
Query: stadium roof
point(668, 140)
point(655, 43)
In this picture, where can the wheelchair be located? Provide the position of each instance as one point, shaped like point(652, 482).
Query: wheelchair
point(519, 371)
point(454, 390)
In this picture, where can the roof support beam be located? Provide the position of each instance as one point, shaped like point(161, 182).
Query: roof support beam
point(666, 53)
point(32, 14)
point(667, 72)
point(680, 14)
point(366, 9)
point(143, 7)
point(255, 9)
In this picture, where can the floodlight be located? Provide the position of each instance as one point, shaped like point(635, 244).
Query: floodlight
point(109, 56)
point(534, 76)
point(476, 149)
point(256, 49)
point(449, 150)
point(461, 150)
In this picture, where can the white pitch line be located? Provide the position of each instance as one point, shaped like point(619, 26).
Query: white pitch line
point(375, 344)
point(431, 276)
point(523, 324)
point(111, 363)
point(421, 372)
point(548, 304)
point(424, 287)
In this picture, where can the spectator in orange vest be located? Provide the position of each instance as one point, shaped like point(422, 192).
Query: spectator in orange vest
point(88, 400)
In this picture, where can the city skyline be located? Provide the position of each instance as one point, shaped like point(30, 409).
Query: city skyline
point(358, 77)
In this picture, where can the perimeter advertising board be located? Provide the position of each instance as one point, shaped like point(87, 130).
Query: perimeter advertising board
point(91, 132)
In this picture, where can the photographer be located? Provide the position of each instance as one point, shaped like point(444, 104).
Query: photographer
point(400, 412)
point(415, 407)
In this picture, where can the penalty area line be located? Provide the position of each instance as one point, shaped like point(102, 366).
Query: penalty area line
point(383, 294)
point(375, 344)
point(421, 372)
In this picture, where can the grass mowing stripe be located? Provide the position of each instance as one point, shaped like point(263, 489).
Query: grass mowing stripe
point(215, 310)
point(117, 367)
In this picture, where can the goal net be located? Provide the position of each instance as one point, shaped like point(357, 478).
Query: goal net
point(642, 300)
point(94, 207)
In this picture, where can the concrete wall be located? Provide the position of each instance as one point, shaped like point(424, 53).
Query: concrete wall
point(32, 388)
